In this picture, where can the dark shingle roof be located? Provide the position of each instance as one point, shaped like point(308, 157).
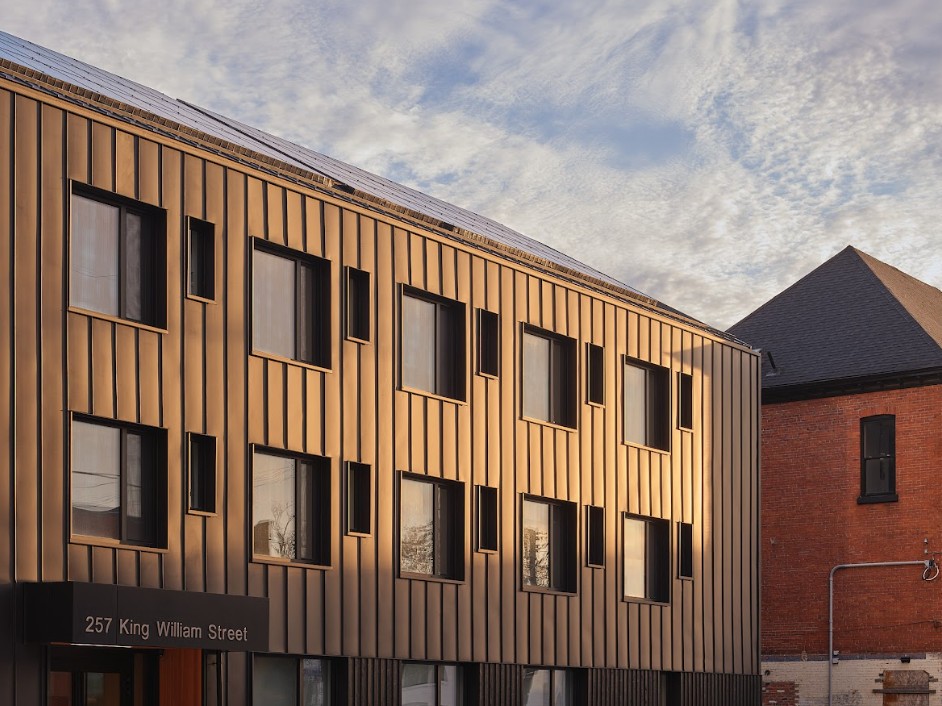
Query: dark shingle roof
point(852, 317)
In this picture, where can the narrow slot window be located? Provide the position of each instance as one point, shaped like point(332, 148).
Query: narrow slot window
point(595, 536)
point(595, 374)
point(359, 498)
point(201, 269)
point(202, 461)
point(685, 550)
point(684, 401)
point(487, 519)
point(488, 343)
point(358, 305)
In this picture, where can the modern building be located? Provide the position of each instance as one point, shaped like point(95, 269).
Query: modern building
point(279, 431)
point(851, 450)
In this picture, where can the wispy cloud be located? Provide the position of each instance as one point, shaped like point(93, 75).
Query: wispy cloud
point(706, 153)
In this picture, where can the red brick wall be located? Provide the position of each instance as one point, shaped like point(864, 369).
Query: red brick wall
point(811, 521)
point(779, 693)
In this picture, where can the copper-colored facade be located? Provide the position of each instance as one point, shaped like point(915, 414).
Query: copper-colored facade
point(200, 374)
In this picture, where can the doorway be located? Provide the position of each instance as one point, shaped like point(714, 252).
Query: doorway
point(99, 676)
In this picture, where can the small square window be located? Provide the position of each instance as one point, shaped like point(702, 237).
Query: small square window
point(549, 378)
point(647, 405)
point(647, 558)
point(117, 257)
point(433, 344)
point(290, 304)
point(431, 527)
point(595, 374)
point(595, 536)
point(684, 401)
point(359, 498)
point(548, 687)
point(291, 507)
point(425, 684)
point(549, 544)
point(290, 681)
point(487, 518)
point(201, 259)
point(488, 343)
point(202, 464)
point(358, 305)
point(685, 550)
point(878, 459)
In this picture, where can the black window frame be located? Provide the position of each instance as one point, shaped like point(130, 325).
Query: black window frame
point(886, 455)
point(655, 405)
point(575, 686)
point(488, 348)
point(594, 374)
point(201, 269)
point(201, 475)
point(488, 524)
point(314, 332)
point(449, 373)
point(328, 666)
point(685, 401)
point(154, 456)
point(358, 296)
point(657, 560)
point(359, 495)
point(448, 555)
point(685, 550)
point(461, 686)
point(563, 545)
point(319, 539)
point(154, 261)
point(595, 536)
point(562, 378)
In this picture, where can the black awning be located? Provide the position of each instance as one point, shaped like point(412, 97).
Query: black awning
point(100, 614)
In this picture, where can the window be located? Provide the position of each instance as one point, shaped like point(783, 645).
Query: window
point(432, 685)
point(291, 507)
point(549, 544)
point(684, 401)
point(359, 498)
point(548, 377)
point(290, 305)
point(647, 406)
point(117, 257)
point(685, 550)
point(213, 678)
point(487, 518)
point(488, 343)
point(878, 459)
point(547, 687)
point(647, 558)
point(432, 344)
point(290, 681)
point(201, 259)
point(358, 305)
point(595, 536)
point(431, 526)
point(202, 462)
point(595, 374)
point(119, 482)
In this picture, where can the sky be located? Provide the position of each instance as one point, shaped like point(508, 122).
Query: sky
point(708, 153)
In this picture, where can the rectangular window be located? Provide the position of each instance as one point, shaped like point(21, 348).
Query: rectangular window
point(487, 518)
point(488, 343)
point(684, 401)
point(647, 558)
point(432, 684)
point(213, 678)
point(117, 260)
point(595, 374)
point(595, 536)
point(202, 463)
point(358, 305)
point(549, 377)
point(433, 344)
point(291, 507)
point(431, 526)
point(549, 544)
point(547, 687)
point(359, 498)
point(878, 459)
point(685, 550)
point(290, 681)
point(201, 259)
point(647, 405)
point(290, 304)
point(119, 482)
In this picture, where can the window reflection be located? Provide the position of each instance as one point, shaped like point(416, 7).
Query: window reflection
point(416, 528)
point(273, 505)
point(536, 544)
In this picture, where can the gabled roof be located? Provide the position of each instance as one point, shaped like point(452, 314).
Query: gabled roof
point(228, 135)
point(853, 317)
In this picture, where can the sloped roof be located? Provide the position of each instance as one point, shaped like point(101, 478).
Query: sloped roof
point(852, 317)
point(230, 133)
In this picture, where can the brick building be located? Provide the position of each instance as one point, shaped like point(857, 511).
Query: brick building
point(851, 451)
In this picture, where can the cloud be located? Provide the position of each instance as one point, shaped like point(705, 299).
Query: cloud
point(706, 153)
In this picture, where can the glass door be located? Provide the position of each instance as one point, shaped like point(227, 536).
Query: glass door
point(91, 677)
